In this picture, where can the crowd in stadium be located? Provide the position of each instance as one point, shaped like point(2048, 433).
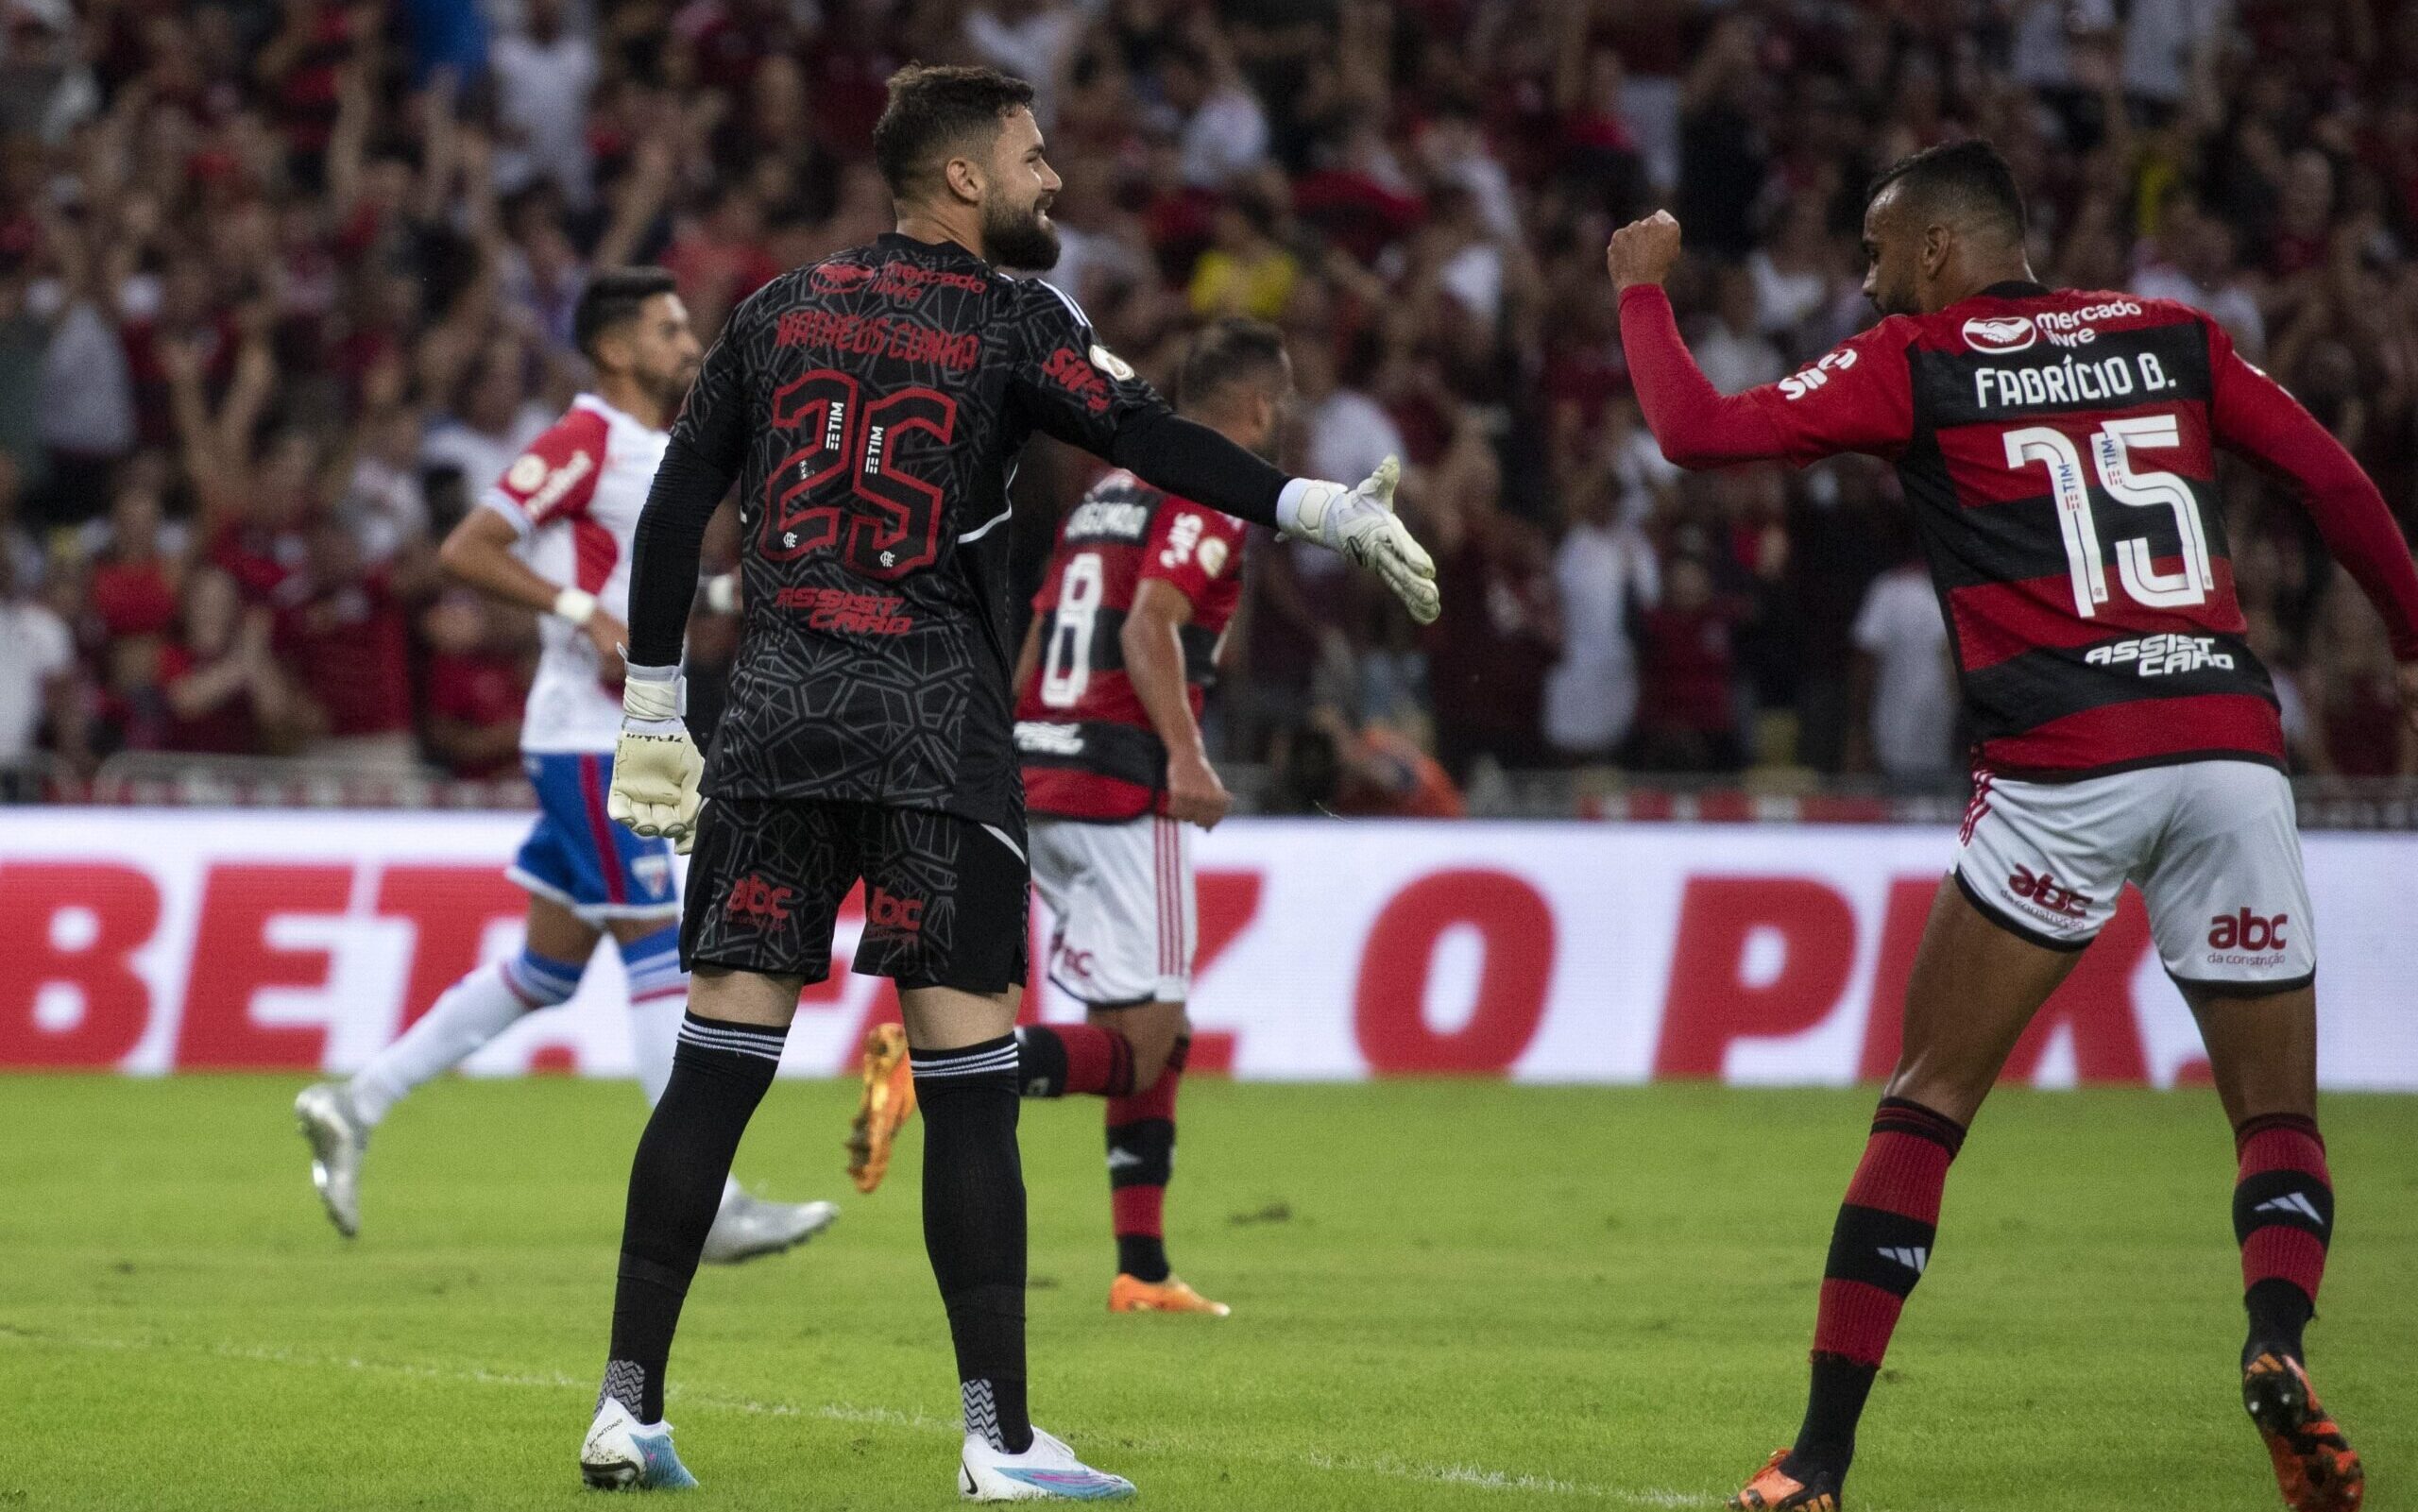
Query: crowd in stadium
point(285, 286)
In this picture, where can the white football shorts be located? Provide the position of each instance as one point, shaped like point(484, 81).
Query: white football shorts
point(2213, 845)
point(1122, 894)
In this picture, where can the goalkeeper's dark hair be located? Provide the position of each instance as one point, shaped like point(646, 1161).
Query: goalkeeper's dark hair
point(932, 113)
point(1233, 350)
point(1966, 184)
point(612, 299)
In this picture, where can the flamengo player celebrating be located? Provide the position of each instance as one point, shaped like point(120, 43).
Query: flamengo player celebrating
point(552, 534)
point(1122, 646)
point(2058, 451)
point(871, 407)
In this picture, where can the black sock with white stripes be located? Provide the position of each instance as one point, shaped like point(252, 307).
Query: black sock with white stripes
point(720, 1072)
point(973, 1227)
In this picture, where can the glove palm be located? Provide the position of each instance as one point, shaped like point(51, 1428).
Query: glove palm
point(656, 770)
point(1360, 524)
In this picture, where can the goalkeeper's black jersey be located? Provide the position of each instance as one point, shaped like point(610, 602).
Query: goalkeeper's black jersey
point(871, 407)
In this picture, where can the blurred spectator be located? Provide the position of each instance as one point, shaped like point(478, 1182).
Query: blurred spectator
point(2193, 263)
point(492, 418)
point(36, 675)
point(1606, 572)
point(1688, 719)
point(1903, 703)
point(1221, 127)
point(1247, 270)
point(341, 626)
point(215, 689)
point(1731, 348)
point(478, 680)
point(2354, 724)
point(543, 73)
point(1500, 627)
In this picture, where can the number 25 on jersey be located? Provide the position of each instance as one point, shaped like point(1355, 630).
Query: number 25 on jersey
point(842, 491)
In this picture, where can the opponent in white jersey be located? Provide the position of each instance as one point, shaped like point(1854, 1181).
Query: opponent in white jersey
point(554, 535)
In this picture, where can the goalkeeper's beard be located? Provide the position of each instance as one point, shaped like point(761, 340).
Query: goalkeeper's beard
point(1019, 238)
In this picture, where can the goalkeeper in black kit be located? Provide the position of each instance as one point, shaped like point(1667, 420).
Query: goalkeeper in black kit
point(871, 408)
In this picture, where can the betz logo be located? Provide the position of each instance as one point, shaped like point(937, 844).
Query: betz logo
point(1800, 385)
point(1068, 369)
point(891, 914)
point(2245, 930)
point(2046, 890)
point(755, 900)
point(1182, 537)
point(2000, 333)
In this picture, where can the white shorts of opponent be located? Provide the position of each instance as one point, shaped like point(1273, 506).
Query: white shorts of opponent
point(2213, 845)
point(1122, 896)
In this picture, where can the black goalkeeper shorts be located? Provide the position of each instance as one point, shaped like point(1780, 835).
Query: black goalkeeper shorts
point(945, 898)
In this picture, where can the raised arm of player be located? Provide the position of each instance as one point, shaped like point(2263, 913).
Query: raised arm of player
point(1857, 399)
point(1075, 389)
point(2254, 418)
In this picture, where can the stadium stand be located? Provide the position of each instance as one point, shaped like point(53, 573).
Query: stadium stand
point(281, 286)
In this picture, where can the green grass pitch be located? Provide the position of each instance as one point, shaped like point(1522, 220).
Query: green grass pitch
point(1445, 1296)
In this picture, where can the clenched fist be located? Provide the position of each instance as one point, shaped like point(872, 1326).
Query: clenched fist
point(1643, 250)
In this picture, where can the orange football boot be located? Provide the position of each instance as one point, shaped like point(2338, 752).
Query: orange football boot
point(2316, 1470)
point(1774, 1490)
point(887, 1102)
point(1131, 1294)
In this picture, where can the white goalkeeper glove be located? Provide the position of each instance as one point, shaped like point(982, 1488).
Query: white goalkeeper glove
point(1361, 523)
point(656, 770)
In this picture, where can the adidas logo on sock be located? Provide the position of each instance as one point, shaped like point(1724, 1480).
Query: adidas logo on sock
point(1914, 1257)
point(2292, 1202)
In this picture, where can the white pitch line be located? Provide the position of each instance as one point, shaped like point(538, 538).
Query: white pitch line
point(1387, 1466)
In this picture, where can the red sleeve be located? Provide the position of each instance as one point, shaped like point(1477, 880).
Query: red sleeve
point(1859, 397)
point(556, 477)
point(1192, 545)
point(2254, 417)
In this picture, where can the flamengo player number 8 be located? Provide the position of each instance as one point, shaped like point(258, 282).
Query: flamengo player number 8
point(1066, 666)
point(2109, 450)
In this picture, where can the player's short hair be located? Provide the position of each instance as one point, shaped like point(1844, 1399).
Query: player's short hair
point(612, 299)
point(1226, 352)
point(935, 109)
point(1965, 182)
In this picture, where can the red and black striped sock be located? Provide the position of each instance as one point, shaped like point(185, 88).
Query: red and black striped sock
point(1141, 1160)
point(1057, 1060)
point(1879, 1248)
point(2283, 1215)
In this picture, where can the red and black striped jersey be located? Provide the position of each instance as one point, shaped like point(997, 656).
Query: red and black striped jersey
point(1088, 744)
point(2058, 450)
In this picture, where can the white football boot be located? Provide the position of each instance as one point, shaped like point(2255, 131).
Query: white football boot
point(620, 1453)
point(1049, 1471)
point(338, 1136)
point(748, 1226)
